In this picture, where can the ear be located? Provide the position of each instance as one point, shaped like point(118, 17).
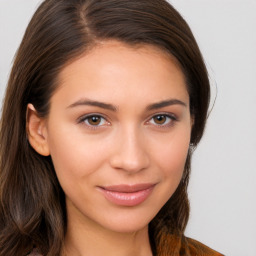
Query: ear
point(37, 131)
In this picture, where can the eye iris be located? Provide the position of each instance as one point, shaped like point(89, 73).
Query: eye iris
point(94, 120)
point(161, 119)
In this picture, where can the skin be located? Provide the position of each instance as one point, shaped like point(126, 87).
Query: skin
point(127, 144)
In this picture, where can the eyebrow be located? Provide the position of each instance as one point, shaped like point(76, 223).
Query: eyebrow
point(166, 103)
point(88, 102)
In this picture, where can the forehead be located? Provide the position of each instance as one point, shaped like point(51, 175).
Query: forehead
point(110, 50)
point(113, 68)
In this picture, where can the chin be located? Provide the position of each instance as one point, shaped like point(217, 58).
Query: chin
point(128, 223)
point(128, 228)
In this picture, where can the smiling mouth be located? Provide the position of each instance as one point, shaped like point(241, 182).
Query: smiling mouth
point(127, 195)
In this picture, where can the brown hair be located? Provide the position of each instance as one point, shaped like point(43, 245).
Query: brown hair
point(32, 203)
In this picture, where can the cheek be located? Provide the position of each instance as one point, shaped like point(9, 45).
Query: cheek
point(171, 156)
point(74, 156)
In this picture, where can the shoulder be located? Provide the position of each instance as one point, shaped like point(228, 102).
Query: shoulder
point(196, 248)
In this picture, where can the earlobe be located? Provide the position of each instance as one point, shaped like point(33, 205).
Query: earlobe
point(36, 131)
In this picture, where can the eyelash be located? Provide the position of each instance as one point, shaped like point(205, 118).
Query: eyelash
point(170, 120)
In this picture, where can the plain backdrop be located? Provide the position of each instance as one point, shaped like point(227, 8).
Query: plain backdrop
point(223, 181)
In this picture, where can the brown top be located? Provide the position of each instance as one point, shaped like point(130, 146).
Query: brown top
point(198, 249)
point(171, 245)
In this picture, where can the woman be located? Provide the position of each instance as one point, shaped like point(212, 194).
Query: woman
point(105, 103)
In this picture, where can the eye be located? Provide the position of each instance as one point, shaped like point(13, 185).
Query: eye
point(162, 120)
point(94, 120)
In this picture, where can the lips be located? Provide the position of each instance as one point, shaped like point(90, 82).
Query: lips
point(127, 195)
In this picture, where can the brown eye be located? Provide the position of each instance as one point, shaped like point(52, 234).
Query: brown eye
point(94, 120)
point(160, 119)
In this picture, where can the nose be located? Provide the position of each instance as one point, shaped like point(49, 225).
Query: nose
point(130, 152)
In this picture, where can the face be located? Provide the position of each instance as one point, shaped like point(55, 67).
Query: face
point(118, 133)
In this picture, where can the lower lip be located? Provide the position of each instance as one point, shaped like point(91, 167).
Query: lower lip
point(127, 199)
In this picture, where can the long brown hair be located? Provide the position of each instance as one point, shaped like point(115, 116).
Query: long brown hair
point(32, 203)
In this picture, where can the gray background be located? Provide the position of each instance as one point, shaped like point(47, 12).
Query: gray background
point(223, 181)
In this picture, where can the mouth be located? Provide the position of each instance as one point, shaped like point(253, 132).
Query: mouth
point(127, 195)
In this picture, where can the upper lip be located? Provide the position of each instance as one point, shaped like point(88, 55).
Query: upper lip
point(127, 188)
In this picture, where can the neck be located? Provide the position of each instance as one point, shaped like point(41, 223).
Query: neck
point(88, 238)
